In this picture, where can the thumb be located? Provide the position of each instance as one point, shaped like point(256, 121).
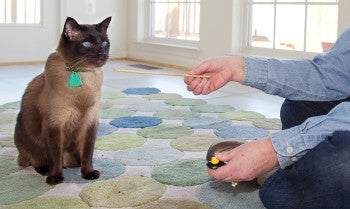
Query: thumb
point(224, 156)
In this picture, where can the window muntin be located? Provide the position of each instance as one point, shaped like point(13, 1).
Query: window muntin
point(299, 25)
point(175, 19)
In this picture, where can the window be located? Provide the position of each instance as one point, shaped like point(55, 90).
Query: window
point(20, 11)
point(299, 25)
point(174, 19)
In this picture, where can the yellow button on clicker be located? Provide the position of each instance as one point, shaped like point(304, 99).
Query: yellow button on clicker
point(214, 160)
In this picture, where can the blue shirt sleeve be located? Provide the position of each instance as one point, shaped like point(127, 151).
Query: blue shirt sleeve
point(324, 78)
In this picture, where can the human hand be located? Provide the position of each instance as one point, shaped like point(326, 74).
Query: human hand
point(246, 162)
point(221, 70)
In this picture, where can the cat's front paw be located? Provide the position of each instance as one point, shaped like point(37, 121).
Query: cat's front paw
point(53, 180)
point(95, 174)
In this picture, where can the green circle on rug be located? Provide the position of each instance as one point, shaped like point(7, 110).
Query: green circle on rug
point(7, 118)
point(194, 143)
point(165, 132)
point(51, 202)
point(174, 204)
point(222, 195)
point(12, 105)
point(7, 141)
point(149, 154)
point(268, 123)
point(128, 191)
point(126, 101)
point(182, 173)
point(242, 115)
point(8, 165)
point(163, 96)
point(206, 123)
point(112, 95)
point(176, 114)
point(149, 107)
point(211, 108)
point(119, 141)
point(17, 188)
point(112, 113)
point(185, 102)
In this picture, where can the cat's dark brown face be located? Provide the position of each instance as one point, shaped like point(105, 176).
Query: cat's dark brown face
point(84, 45)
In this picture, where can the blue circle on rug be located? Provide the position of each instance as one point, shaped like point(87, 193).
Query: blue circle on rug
point(108, 168)
point(136, 122)
point(141, 91)
point(241, 132)
point(105, 129)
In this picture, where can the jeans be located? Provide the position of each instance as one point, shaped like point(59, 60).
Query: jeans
point(321, 179)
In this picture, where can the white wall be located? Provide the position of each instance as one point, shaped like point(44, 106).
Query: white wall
point(23, 44)
point(216, 32)
point(18, 44)
point(220, 21)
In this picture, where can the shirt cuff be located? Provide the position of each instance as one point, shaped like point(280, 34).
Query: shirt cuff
point(289, 145)
point(255, 72)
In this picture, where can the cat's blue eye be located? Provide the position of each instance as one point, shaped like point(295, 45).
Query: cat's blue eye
point(104, 44)
point(86, 44)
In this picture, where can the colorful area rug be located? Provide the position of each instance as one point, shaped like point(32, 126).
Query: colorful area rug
point(150, 149)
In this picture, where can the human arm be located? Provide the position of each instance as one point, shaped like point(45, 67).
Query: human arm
point(281, 148)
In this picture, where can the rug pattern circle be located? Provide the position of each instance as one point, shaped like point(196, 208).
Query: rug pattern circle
point(141, 91)
point(17, 188)
point(136, 122)
point(182, 173)
point(211, 108)
point(50, 202)
point(105, 129)
point(163, 96)
point(242, 115)
point(174, 204)
point(148, 155)
point(194, 143)
point(128, 191)
point(206, 123)
point(112, 95)
point(119, 141)
point(222, 195)
point(241, 132)
point(8, 165)
point(165, 132)
point(185, 102)
point(176, 114)
point(112, 113)
point(108, 168)
point(149, 107)
point(268, 124)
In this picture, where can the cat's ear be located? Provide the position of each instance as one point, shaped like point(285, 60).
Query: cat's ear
point(102, 26)
point(71, 29)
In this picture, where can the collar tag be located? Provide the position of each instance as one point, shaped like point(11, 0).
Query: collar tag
point(74, 80)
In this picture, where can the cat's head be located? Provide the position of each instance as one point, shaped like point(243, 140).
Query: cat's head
point(84, 45)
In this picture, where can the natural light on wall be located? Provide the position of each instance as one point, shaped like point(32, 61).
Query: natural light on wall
point(175, 19)
point(300, 25)
point(20, 11)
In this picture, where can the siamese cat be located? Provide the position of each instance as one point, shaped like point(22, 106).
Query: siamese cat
point(59, 115)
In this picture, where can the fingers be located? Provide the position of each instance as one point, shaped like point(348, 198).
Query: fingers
point(199, 86)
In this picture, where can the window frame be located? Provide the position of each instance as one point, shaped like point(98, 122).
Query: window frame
point(343, 23)
point(182, 43)
point(35, 25)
